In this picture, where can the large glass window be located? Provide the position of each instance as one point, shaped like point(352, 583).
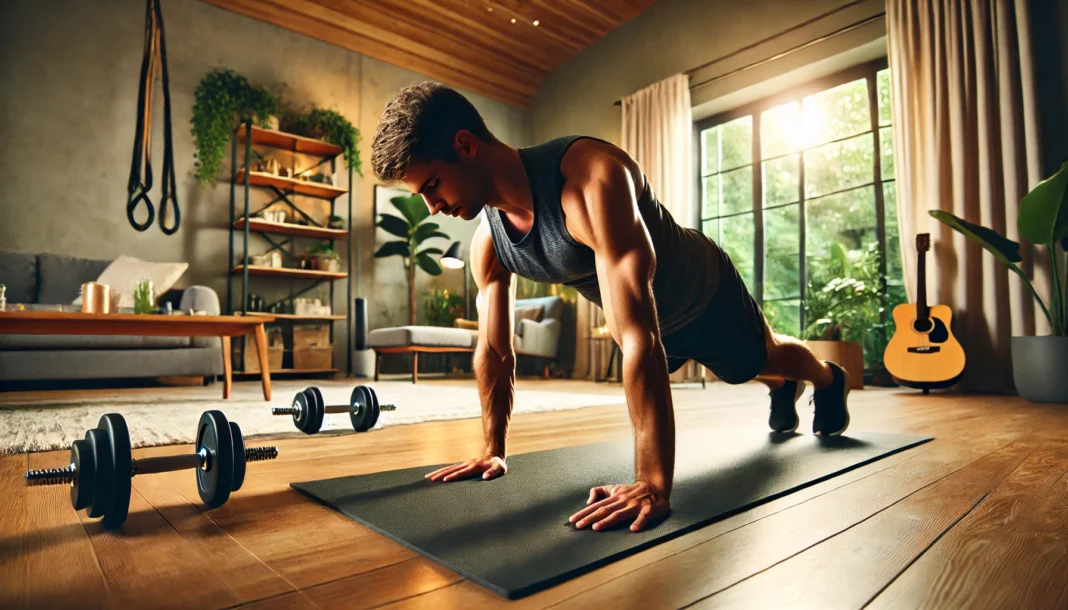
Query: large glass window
point(799, 190)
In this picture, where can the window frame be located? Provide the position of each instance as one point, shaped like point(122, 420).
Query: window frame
point(867, 71)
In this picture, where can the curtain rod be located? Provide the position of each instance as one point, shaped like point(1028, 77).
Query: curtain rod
point(780, 55)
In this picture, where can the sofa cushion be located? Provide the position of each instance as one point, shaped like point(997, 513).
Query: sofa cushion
point(123, 274)
point(47, 342)
point(61, 277)
point(427, 336)
point(18, 272)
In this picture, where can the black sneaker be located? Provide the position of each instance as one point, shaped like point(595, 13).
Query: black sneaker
point(783, 413)
point(831, 413)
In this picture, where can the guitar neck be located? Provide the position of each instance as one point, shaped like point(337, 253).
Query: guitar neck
point(921, 292)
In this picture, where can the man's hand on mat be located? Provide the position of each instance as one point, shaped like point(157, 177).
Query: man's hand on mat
point(612, 504)
point(489, 466)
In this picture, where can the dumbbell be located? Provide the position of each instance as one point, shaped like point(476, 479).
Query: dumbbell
point(308, 409)
point(102, 466)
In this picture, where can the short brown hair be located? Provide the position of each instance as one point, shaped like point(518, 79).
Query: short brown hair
point(420, 123)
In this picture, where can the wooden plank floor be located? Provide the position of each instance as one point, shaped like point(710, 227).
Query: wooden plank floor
point(977, 518)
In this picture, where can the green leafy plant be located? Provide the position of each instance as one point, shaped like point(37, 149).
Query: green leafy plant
point(1042, 219)
point(329, 125)
point(443, 307)
point(221, 97)
point(143, 301)
point(324, 249)
point(412, 229)
point(845, 301)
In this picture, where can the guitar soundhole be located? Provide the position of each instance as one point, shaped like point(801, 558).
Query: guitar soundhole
point(922, 326)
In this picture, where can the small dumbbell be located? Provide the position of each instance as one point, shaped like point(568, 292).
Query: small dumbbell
point(308, 409)
point(102, 466)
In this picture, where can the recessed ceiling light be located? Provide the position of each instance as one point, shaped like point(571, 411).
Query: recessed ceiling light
point(535, 23)
point(490, 9)
point(513, 19)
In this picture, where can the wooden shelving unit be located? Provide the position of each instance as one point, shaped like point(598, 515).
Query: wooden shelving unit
point(243, 227)
point(262, 226)
point(296, 318)
point(307, 274)
point(290, 142)
point(291, 185)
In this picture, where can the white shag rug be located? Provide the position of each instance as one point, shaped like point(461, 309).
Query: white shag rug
point(170, 417)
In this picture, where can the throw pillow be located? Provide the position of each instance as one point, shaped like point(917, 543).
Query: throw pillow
point(124, 272)
point(528, 313)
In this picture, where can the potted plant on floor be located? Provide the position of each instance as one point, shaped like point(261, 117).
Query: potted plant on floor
point(412, 230)
point(1038, 363)
point(843, 302)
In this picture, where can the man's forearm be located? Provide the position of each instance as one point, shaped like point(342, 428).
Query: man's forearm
point(645, 380)
point(496, 388)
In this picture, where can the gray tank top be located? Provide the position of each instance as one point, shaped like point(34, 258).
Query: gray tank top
point(688, 264)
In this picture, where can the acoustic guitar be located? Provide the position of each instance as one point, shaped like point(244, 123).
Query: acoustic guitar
point(923, 353)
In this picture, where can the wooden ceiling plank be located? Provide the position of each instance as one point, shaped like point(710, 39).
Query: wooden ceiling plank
point(333, 34)
point(586, 26)
point(574, 36)
point(471, 49)
point(545, 57)
point(433, 55)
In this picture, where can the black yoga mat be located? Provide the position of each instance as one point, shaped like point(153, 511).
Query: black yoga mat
point(511, 534)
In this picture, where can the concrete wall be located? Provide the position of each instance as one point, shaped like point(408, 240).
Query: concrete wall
point(70, 72)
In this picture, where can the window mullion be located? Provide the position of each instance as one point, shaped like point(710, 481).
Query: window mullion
point(880, 204)
point(758, 217)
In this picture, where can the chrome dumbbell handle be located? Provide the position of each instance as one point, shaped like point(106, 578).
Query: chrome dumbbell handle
point(167, 463)
point(293, 410)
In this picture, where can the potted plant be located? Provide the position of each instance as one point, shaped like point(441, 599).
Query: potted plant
point(1038, 363)
point(327, 125)
point(335, 222)
point(412, 230)
point(325, 257)
point(223, 97)
point(843, 304)
point(443, 307)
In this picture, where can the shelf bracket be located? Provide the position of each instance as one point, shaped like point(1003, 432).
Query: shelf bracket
point(282, 197)
point(280, 246)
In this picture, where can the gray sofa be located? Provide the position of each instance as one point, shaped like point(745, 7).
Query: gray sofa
point(51, 279)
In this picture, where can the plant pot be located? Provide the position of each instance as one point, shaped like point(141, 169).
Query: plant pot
point(846, 354)
point(1038, 368)
point(273, 122)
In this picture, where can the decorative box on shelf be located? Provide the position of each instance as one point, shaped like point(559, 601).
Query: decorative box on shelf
point(313, 358)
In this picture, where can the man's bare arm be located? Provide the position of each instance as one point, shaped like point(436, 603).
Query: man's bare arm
point(626, 262)
point(494, 360)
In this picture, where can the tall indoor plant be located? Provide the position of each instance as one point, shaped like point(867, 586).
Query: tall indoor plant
point(412, 229)
point(1038, 363)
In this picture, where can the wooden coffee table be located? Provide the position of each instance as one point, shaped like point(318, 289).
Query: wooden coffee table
point(74, 323)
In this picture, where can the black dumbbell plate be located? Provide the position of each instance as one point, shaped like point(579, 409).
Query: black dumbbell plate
point(361, 409)
point(376, 409)
point(96, 441)
point(81, 493)
point(114, 426)
point(239, 456)
point(215, 483)
point(316, 399)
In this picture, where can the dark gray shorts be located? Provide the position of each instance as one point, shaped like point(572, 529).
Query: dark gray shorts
point(728, 336)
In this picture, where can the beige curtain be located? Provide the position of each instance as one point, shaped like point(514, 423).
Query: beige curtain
point(657, 132)
point(966, 141)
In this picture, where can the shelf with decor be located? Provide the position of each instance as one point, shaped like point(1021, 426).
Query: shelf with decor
point(258, 169)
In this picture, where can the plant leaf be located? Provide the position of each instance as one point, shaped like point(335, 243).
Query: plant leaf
point(395, 225)
point(428, 264)
point(425, 231)
point(429, 251)
point(393, 248)
point(413, 208)
point(1004, 250)
point(1043, 215)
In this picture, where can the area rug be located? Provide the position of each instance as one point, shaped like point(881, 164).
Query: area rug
point(170, 417)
